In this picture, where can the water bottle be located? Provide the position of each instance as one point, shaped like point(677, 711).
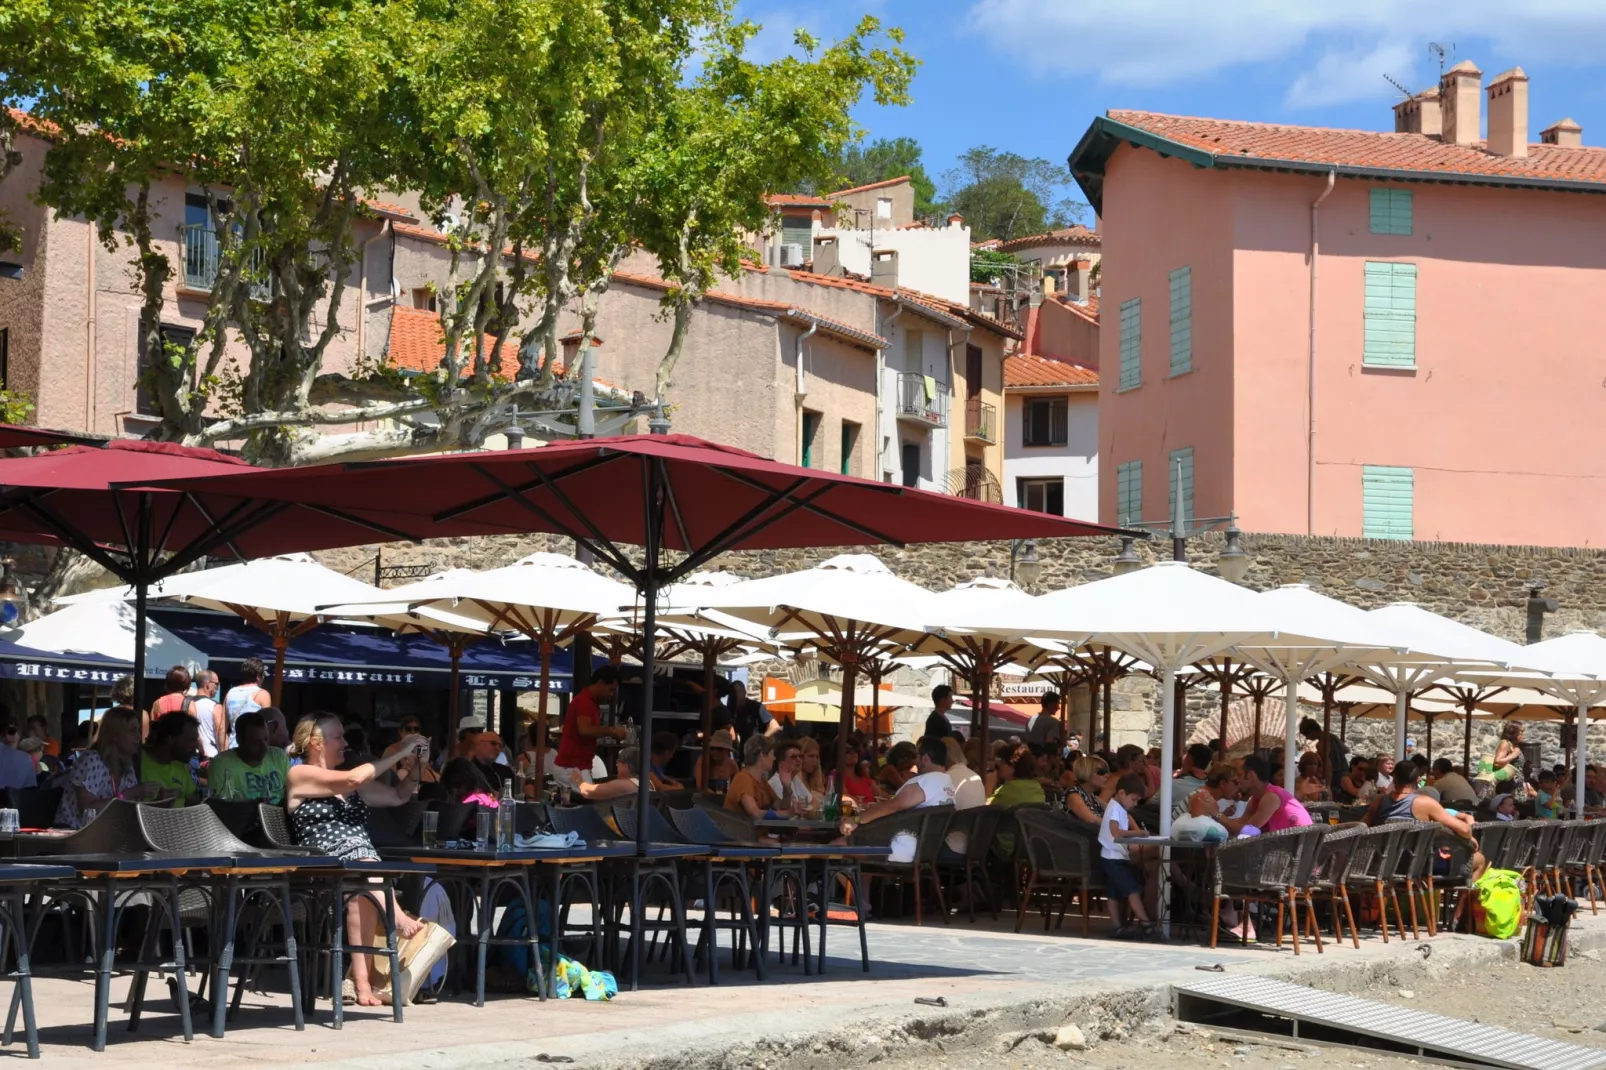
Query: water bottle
point(506, 818)
point(832, 810)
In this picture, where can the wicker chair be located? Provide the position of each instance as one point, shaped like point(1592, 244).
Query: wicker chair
point(1059, 856)
point(1373, 859)
point(1555, 841)
point(587, 822)
point(1264, 869)
point(1412, 871)
point(980, 825)
point(1583, 857)
point(928, 825)
point(1330, 866)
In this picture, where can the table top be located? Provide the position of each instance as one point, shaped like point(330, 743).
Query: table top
point(18, 874)
point(146, 862)
point(1167, 841)
point(797, 824)
point(470, 856)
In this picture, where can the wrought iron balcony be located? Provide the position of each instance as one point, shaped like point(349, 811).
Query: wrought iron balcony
point(981, 421)
point(202, 258)
point(922, 400)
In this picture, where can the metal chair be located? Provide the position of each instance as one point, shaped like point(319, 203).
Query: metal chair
point(586, 822)
point(1058, 858)
point(980, 825)
point(1373, 859)
point(1583, 860)
point(927, 825)
point(1330, 866)
point(1263, 869)
point(783, 889)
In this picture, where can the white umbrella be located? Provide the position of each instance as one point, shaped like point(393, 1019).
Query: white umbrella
point(851, 607)
point(547, 597)
point(106, 627)
point(1167, 614)
point(282, 596)
point(1572, 668)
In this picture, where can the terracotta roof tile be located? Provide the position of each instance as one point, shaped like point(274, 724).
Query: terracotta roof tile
point(417, 343)
point(1028, 370)
point(784, 309)
point(1077, 235)
point(1237, 142)
point(395, 211)
point(1088, 309)
point(796, 200)
point(873, 185)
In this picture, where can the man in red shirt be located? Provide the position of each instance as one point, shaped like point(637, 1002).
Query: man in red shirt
point(582, 727)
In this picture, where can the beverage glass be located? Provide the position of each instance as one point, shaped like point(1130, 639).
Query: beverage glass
point(89, 817)
point(8, 822)
point(482, 829)
point(432, 820)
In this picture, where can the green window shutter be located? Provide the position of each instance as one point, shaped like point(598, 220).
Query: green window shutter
point(799, 230)
point(1128, 493)
point(811, 424)
point(1181, 473)
point(1131, 342)
point(1181, 320)
point(1390, 338)
point(1387, 499)
point(1391, 211)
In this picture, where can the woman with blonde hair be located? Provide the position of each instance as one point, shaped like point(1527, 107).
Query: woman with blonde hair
point(812, 773)
point(328, 808)
point(108, 770)
point(1086, 800)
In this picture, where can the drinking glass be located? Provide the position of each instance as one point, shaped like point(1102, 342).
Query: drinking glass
point(432, 820)
point(482, 829)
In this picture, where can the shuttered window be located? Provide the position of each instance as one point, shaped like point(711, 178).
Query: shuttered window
point(1391, 211)
point(1131, 342)
point(1045, 422)
point(1182, 475)
point(1390, 340)
point(1128, 493)
point(811, 430)
point(1387, 502)
point(799, 230)
point(1181, 321)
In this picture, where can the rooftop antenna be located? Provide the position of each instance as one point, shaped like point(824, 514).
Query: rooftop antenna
point(1395, 82)
point(1443, 52)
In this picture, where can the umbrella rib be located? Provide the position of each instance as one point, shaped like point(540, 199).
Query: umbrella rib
point(567, 503)
point(603, 549)
point(160, 545)
point(734, 530)
point(122, 521)
point(862, 529)
point(340, 514)
point(88, 547)
point(674, 504)
point(458, 511)
point(203, 544)
point(211, 521)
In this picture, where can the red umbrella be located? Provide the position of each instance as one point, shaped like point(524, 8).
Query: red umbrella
point(659, 492)
point(14, 436)
point(101, 502)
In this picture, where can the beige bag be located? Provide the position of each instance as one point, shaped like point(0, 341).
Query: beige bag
point(418, 955)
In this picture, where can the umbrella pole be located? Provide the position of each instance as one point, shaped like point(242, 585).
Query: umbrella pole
point(875, 721)
point(280, 643)
point(1260, 703)
point(1226, 700)
point(1107, 684)
point(540, 715)
point(982, 697)
point(1401, 705)
point(1168, 753)
point(142, 565)
point(850, 667)
point(705, 759)
point(1327, 733)
point(649, 630)
point(1290, 712)
point(1429, 738)
point(1343, 723)
point(1466, 747)
point(1582, 757)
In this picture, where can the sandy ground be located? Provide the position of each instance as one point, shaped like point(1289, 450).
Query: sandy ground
point(1567, 1004)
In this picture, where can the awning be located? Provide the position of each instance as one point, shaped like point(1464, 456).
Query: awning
point(339, 654)
point(26, 663)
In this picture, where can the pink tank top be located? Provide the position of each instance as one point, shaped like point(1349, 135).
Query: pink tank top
point(1291, 813)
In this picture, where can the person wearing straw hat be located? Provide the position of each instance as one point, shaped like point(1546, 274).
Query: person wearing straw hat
point(721, 766)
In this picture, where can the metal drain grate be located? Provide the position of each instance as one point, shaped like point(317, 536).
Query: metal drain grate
point(1324, 1016)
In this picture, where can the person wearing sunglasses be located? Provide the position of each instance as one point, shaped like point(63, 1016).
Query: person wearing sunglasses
point(427, 774)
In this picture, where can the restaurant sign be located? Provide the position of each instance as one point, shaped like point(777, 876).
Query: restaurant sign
point(399, 677)
point(1024, 689)
point(65, 673)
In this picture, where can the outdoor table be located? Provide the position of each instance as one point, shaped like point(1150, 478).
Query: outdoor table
point(800, 826)
point(1196, 865)
point(110, 876)
point(486, 871)
point(346, 882)
point(14, 882)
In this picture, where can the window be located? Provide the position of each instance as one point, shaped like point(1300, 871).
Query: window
point(1129, 493)
point(1043, 421)
point(144, 399)
point(1131, 342)
point(914, 352)
point(850, 448)
point(811, 431)
point(799, 230)
point(1041, 495)
point(1182, 475)
point(972, 371)
point(1390, 340)
point(883, 208)
point(1387, 495)
point(1181, 320)
point(1391, 211)
point(911, 464)
point(424, 298)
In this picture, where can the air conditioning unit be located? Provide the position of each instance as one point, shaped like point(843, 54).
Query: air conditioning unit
point(791, 255)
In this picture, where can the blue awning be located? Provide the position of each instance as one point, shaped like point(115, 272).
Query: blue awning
point(25, 663)
point(341, 654)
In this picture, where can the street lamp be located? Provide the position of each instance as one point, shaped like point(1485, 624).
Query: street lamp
point(1127, 560)
point(1233, 564)
point(1023, 562)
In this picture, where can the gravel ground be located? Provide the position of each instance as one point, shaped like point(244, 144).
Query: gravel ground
point(1566, 1004)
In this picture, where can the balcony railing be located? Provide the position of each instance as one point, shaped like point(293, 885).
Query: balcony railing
point(922, 400)
point(201, 262)
point(981, 421)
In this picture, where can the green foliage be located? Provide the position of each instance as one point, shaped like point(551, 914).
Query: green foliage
point(884, 158)
point(15, 407)
point(989, 264)
point(1004, 195)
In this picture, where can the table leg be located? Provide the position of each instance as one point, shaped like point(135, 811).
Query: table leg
point(175, 913)
point(337, 952)
point(531, 906)
point(224, 962)
point(483, 922)
point(711, 923)
point(291, 952)
point(103, 972)
point(18, 923)
point(390, 950)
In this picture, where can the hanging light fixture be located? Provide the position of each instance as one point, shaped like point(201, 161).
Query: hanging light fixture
point(1127, 560)
point(1233, 564)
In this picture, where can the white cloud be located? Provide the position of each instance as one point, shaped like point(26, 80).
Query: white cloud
point(1352, 42)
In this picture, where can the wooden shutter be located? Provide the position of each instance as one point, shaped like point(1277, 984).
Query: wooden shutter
point(1058, 419)
point(1181, 469)
point(1390, 339)
point(1128, 493)
point(798, 230)
point(1391, 211)
point(1387, 502)
point(1131, 342)
point(1181, 321)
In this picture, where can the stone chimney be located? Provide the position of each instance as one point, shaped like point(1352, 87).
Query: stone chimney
point(1460, 103)
point(1079, 281)
point(1419, 114)
point(1566, 133)
point(1508, 113)
point(956, 220)
point(827, 257)
point(884, 268)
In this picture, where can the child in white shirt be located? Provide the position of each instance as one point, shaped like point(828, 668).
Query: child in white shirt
point(1125, 880)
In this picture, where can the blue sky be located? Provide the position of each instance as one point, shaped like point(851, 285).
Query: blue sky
point(1029, 75)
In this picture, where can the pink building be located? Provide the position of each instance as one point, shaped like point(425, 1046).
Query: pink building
point(1343, 332)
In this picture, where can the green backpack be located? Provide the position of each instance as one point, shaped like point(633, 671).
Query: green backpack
point(1498, 907)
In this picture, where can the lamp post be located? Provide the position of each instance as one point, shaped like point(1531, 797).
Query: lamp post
point(1024, 562)
point(1127, 560)
point(1233, 563)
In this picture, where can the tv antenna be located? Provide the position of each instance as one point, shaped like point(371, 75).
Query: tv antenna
point(1443, 52)
point(1395, 82)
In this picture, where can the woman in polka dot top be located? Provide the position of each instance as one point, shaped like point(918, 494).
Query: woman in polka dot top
point(328, 809)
